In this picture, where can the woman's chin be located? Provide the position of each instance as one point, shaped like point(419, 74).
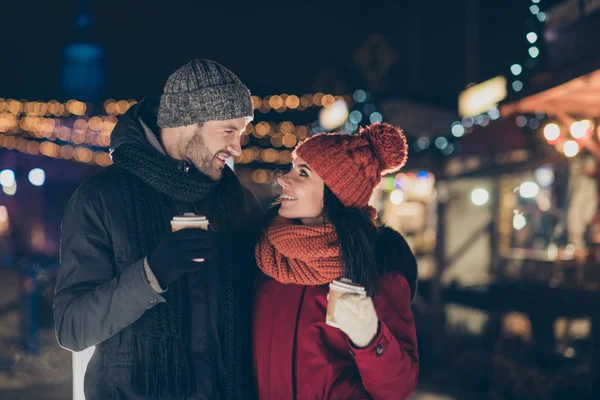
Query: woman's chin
point(286, 214)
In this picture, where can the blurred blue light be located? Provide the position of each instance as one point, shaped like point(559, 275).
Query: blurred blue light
point(376, 117)
point(356, 117)
point(360, 96)
point(423, 143)
point(441, 143)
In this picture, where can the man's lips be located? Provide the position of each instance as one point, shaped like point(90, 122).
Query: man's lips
point(221, 158)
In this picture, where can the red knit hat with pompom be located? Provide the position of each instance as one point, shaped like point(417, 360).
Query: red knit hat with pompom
point(352, 165)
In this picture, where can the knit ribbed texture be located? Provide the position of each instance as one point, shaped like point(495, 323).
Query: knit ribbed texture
point(299, 254)
point(161, 337)
point(352, 165)
point(200, 91)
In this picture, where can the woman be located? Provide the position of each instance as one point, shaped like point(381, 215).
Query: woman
point(325, 230)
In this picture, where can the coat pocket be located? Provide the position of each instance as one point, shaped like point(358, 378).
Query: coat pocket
point(120, 370)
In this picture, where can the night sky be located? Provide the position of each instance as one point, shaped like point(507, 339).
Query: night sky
point(301, 48)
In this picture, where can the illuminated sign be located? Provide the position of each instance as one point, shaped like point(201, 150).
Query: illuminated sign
point(482, 97)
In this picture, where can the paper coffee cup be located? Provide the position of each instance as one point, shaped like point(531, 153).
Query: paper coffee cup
point(337, 288)
point(189, 221)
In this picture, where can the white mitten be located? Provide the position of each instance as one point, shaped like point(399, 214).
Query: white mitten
point(356, 317)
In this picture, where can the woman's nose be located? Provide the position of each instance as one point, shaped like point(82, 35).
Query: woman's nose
point(283, 181)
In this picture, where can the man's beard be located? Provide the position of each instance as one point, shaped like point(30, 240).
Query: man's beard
point(198, 153)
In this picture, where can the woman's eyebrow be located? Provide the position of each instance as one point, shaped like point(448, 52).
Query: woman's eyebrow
point(304, 166)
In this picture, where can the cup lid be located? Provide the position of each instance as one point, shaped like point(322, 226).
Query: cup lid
point(347, 284)
point(192, 222)
point(189, 217)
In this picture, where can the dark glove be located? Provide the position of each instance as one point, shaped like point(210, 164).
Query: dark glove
point(175, 253)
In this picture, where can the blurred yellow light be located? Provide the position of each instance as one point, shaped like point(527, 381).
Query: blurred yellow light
point(301, 132)
point(261, 129)
point(248, 130)
point(80, 125)
point(111, 108)
point(275, 102)
point(14, 107)
point(304, 102)
point(239, 159)
point(270, 155)
point(122, 107)
point(78, 137)
point(30, 107)
point(327, 100)
point(285, 157)
point(551, 132)
point(292, 102)
point(76, 107)
point(317, 98)
point(104, 140)
point(109, 124)
point(9, 142)
point(570, 148)
point(21, 145)
point(256, 102)
point(64, 133)
point(289, 140)
point(66, 152)
point(277, 140)
point(480, 98)
point(581, 128)
point(260, 176)
point(334, 116)
point(33, 148)
point(95, 123)
point(286, 127)
point(247, 155)
point(48, 124)
point(102, 158)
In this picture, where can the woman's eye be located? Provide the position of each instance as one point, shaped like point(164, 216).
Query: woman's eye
point(302, 173)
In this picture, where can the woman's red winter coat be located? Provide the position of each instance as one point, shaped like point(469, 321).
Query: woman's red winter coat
point(297, 356)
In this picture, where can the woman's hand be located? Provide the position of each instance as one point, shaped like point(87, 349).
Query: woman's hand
point(356, 317)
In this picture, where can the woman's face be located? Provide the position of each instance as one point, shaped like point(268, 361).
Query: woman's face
point(302, 196)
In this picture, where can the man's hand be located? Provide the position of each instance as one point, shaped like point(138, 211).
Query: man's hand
point(187, 250)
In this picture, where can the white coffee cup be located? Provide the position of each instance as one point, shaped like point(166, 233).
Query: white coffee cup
point(189, 221)
point(337, 288)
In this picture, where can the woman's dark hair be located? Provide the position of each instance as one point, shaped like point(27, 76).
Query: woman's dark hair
point(357, 234)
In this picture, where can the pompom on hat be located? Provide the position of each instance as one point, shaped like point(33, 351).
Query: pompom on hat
point(352, 165)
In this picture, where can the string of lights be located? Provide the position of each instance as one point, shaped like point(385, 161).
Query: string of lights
point(279, 103)
point(533, 50)
point(80, 154)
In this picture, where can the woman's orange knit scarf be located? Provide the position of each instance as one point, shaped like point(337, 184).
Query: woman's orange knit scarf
point(300, 254)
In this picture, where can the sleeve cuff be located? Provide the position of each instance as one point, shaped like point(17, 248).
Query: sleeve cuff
point(135, 277)
point(378, 345)
point(152, 278)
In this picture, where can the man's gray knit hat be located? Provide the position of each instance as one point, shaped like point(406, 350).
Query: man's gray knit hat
point(200, 91)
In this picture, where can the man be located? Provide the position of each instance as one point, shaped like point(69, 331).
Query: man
point(169, 313)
